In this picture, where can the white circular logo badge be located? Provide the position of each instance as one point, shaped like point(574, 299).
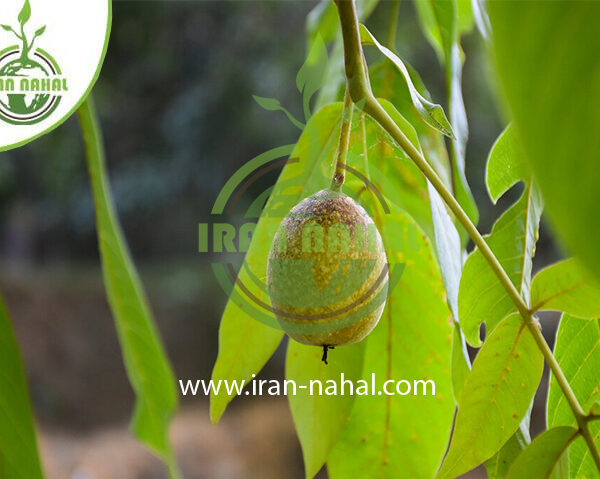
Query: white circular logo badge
point(50, 57)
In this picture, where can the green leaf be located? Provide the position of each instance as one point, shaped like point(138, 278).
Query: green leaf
point(8, 28)
point(595, 409)
point(432, 113)
point(387, 436)
point(577, 351)
point(449, 254)
point(320, 418)
point(248, 333)
point(497, 466)
point(448, 249)
point(430, 26)
point(143, 353)
point(542, 456)
point(389, 83)
point(466, 18)
point(40, 31)
point(19, 457)
point(25, 13)
point(272, 104)
point(461, 363)
point(548, 68)
point(496, 396)
point(566, 286)
point(512, 240)
point(506, 164)
point(441, 24)
point(390, 170)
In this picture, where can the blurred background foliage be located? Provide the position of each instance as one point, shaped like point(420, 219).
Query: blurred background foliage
point(175, 101)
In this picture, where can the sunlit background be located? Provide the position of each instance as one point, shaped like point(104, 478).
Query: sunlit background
point(175, 101)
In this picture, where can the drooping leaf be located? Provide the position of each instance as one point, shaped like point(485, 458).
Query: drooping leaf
point(543, 455)
point(566, 286)
point(548, 68)
point(431, 113)
point(320, 418)
point(19, 457)
point(577, 351)
point(449, 254)
point(145, 359)
point(272, 104)
point(496, 396)
point(388, 83)
point(248, 333)
point(441, 23)
point(25, 13)
point(481, 296)
point(386, 436)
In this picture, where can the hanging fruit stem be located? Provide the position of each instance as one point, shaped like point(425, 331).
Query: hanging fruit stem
point(339, 175)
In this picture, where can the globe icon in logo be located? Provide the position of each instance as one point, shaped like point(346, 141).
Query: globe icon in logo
point(25, 105)
point(30, 84)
